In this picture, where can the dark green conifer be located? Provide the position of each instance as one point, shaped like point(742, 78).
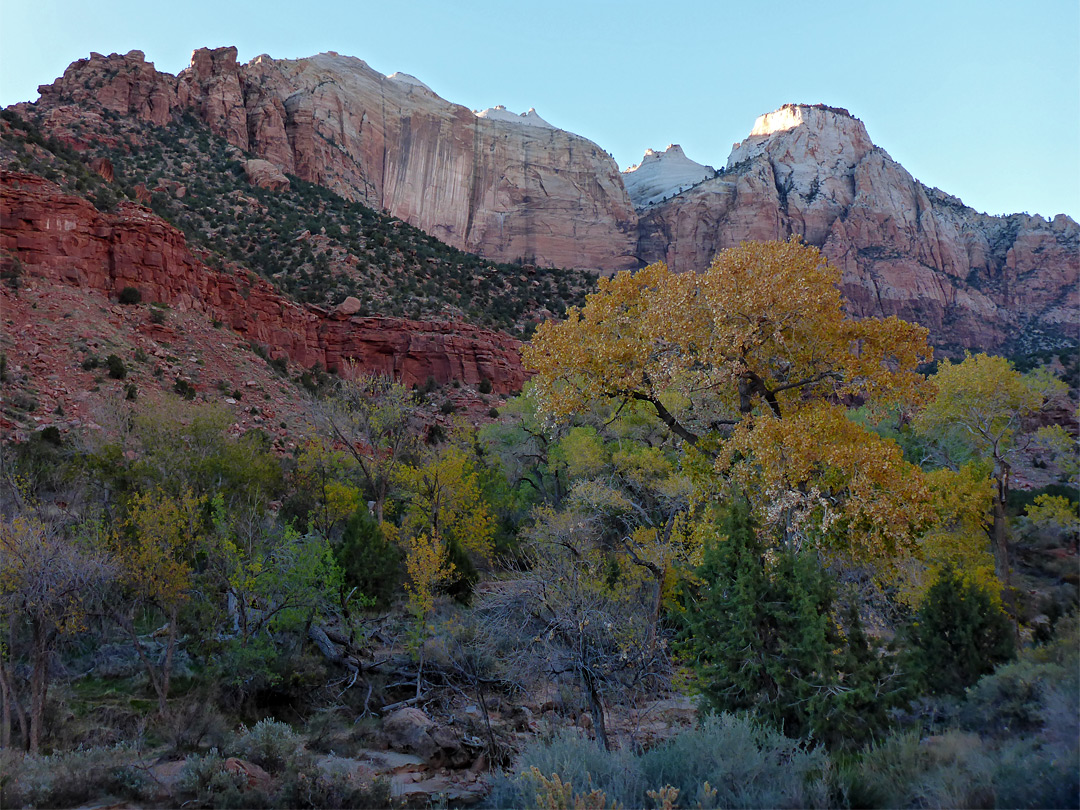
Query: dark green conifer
point(764, 639)
point(957, 636)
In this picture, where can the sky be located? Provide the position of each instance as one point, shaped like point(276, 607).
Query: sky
point(979, 98)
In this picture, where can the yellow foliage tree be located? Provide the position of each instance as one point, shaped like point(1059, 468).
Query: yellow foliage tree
point(960, 501)
point(428, 567)
point(981, 410)
point(164, 535)
point(446, 502)
point(748, 363)
point(320, 470)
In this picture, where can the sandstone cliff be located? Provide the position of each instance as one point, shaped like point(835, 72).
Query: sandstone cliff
point(64, 238)
point(976, 281)
point(508, 187)
point(513, 187)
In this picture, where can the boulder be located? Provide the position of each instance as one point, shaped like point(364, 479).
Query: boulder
point(264, 174)
point(350, 306)
point(256, 777)
point(408, 730)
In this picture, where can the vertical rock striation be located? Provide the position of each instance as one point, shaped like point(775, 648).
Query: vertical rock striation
point(508, 187)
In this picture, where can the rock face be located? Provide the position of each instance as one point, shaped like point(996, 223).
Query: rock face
point(663, 174)
point(66, 239)
point(505, 186)
point(976, 281)
point(513, 187)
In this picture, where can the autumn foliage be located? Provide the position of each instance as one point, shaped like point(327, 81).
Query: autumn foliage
point(752, 364)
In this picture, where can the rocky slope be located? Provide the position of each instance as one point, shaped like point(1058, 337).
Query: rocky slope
point(508, 187)
point(980, 282)
point(64, 239)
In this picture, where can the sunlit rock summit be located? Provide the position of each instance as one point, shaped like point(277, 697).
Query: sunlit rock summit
point(975, 280)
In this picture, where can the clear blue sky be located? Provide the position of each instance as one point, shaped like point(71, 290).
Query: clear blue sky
point(980, 98)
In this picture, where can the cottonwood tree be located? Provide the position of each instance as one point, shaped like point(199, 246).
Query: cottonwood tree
point(446, 524)
point(157, 555)
point(371, 417)
point(984, 410)
point(748, 364)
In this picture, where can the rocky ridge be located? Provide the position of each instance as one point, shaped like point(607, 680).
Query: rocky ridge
point(513, 187)
point(977, 281)
point(63, 238)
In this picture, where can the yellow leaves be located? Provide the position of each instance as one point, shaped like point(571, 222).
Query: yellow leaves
point(765, 320)
point(428, 567)
point(1054, 511)
point(981, 402)
point(319, 470)
point(957, 539)
point(554, 794)
point(447, 501)
point(815, 473)
point(582, 451)
point(166, 534)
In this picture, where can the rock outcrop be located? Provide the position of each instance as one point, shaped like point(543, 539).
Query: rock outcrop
point(64, 238)
point(508, 187)
point(661, 175)
point(976, 281)
point(264, 174)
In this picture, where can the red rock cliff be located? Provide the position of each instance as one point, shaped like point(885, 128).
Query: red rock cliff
point(974, 280)
point(64, 238)
point(508, 187)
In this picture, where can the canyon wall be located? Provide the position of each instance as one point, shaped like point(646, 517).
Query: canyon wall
point(975, 281)
point(507, 187)
point(512, 187)
point(65, 239)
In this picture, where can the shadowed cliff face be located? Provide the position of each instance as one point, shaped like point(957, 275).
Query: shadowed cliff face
point(506, 189)
point(65, 239)
point(976, 281)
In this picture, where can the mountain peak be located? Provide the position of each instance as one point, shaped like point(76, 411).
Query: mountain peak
point(805, 129)
point(662, 174)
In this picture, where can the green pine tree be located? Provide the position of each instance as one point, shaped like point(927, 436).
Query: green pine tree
point(957, 636)
point(368, 561)
point(762, 633)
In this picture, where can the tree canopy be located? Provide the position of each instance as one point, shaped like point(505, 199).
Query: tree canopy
point(752, 364)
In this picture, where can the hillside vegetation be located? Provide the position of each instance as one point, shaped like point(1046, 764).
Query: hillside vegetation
point(716, 487)
point(311, 243)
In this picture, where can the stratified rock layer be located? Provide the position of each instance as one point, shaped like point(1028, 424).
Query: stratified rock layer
point(64, 238)
point(976, 281)
point(508, 187)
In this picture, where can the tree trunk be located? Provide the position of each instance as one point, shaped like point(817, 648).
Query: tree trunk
point(596, 708)
point(11, 697)
point(654, 618)
point(5, 711)
point(7, 691)
point(1001, 543)
point(166, 669)
point(39, 685)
